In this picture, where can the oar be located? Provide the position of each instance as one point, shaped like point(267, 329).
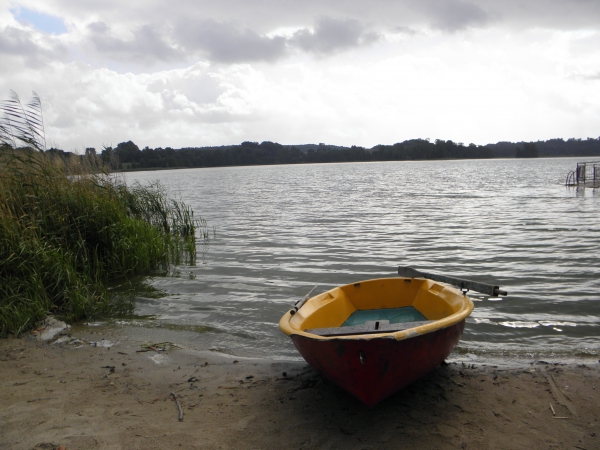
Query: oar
point(299, 303)
point(468, 285)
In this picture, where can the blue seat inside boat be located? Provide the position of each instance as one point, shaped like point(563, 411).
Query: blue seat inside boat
point(394, 315)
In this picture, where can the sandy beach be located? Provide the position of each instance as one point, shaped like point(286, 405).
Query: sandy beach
point(79, 396)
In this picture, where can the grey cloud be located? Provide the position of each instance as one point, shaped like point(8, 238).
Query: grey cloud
point(21, 43)
point(457, 15)
point(331, 35)
point(149, 44)
point(225, 42)
point(403, 30)
point(266, 15)
point(98, 28)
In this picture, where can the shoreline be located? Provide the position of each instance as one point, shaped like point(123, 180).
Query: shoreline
point(155, 169)
point(83, 396)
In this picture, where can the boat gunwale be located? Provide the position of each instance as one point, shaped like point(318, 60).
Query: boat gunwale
point(453, 319)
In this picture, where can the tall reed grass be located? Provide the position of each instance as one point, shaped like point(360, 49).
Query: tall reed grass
point(67, 228)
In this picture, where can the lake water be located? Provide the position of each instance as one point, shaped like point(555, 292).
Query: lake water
point(280, 230)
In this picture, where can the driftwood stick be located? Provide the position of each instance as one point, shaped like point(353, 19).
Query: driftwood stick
point(558, 395)
point(178, 406)
point(553, 413)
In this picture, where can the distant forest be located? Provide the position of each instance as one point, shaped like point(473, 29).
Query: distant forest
point(128, 156)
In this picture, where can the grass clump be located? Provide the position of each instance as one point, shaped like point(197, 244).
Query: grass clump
point(67, 229)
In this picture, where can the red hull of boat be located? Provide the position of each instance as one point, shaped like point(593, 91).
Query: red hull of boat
point(373, 369)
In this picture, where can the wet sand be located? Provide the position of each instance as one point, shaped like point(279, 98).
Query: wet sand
point(119, 398)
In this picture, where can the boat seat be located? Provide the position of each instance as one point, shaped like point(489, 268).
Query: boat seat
point(370, 327)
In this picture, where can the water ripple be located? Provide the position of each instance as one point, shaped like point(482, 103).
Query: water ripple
point(283, 229)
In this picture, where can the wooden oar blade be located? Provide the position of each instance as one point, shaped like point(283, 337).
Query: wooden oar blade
point(463, 284)
point(409, 272)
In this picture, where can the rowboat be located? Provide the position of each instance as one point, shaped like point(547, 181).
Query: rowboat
point(374, 337)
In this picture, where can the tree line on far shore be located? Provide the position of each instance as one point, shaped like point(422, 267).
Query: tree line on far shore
point(128, 156)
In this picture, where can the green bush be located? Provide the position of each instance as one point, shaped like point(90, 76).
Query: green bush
point(67, 229)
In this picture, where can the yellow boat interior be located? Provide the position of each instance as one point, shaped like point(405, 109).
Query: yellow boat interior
point(401, 307)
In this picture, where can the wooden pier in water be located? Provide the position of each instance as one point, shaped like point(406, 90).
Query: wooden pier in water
point(587, 174)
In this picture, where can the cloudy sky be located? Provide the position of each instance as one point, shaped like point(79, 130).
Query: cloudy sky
point(204, 72)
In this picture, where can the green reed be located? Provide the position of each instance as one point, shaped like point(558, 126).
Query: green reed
point(67, 228)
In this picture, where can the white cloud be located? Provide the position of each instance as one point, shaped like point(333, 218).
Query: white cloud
point(211, 73)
